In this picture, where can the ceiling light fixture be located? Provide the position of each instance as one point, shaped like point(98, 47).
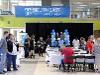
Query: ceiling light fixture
point(83, 5)
point(78, 3)
point(98, 6)
point(95, 3)
point(80, 7)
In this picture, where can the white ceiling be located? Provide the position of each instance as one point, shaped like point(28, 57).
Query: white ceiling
point(82, 4)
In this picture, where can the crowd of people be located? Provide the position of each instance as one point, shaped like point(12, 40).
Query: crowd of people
point(9, 49)
point(91, 46)
point(31, 45)
point(83, 44)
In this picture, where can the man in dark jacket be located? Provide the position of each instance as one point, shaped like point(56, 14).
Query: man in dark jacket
point(41, 46)
point(27, 46)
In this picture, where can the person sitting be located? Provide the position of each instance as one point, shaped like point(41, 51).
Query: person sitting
point(41, 46)
point(66, 52)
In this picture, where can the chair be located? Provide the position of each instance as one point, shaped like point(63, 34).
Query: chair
point(79, 62)
point(89, 60)
point(72, 65)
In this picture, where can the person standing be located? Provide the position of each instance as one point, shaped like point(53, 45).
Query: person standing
point(82, 43)
point(33, 39)
point(75, 43)
point(96, 52)
point(27, 46)
point(62, 35)
point(89, 46)
point(31, 49)
point(3, 52)
point(12, 53)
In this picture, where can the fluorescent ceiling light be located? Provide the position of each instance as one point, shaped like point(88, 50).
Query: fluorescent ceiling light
point(78, 3)
point(95, 3)
point(82, 5)
point(14, 4)
point(98, 6)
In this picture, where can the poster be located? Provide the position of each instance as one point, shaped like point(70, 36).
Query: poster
point(44, 11)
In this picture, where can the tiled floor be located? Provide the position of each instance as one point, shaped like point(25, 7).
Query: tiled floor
point(38, 67)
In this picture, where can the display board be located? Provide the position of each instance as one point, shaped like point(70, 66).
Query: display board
point(42, 11)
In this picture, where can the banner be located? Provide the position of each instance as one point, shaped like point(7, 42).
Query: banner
point(22, 38)
point(42, 11)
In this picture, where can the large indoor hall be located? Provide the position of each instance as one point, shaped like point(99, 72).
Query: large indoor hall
point(49, 37)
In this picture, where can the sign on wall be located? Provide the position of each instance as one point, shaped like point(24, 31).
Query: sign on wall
point(44, 11)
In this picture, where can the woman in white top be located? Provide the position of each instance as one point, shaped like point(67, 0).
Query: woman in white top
point(75, 43)
point(12, 53)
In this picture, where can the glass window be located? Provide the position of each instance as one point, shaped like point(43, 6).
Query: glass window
point(85, 9)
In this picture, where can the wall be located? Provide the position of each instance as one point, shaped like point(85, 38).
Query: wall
point(13, 22)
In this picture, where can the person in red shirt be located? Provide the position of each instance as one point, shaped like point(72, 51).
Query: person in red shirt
point(89, 46)
point(66, 52)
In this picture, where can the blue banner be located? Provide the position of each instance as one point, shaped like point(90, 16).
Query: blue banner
point(42, 11)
